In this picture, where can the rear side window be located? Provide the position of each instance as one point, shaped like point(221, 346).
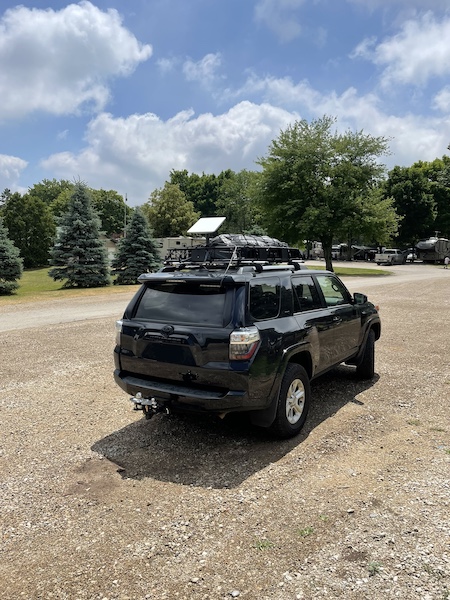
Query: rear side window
point(306, 296)
point(184, 302)
point(333, 290)
point(264, 298)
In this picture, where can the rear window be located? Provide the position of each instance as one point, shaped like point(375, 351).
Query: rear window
point(265, 298)
point(184, 302)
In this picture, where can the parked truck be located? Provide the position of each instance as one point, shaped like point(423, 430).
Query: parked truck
point(390, 256)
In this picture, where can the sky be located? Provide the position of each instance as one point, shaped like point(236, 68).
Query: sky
point(117, 94)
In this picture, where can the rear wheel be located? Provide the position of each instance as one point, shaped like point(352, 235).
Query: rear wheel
point(293, 402)
point(366, 368)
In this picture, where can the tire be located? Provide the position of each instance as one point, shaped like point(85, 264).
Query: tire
point(366, 368)
point(293, 402)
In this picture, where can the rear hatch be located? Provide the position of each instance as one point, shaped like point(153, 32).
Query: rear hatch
point(178, 333)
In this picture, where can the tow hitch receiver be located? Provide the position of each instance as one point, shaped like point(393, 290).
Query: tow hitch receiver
point(149, 406)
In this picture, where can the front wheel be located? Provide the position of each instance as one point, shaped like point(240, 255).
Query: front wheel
point(366, 368)
point(293, 402)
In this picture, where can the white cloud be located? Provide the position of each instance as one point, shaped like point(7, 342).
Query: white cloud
point(135, 155)
point(419, 52)
point(58, 61)
point(365, 49)
point(204, 70)
point(10, 169)
point(279, 16)
point(412, 137)
point(166, 65)
point(441, 101)
point(410, 4)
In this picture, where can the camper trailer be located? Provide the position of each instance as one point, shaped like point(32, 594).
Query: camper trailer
point(433, 250)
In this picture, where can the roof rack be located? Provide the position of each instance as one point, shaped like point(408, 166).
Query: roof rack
point(227, 251)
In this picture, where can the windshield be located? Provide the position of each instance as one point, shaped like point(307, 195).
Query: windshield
point(184, 302)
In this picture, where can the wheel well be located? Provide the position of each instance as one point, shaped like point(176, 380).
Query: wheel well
point(377, 330)
point(303, 359)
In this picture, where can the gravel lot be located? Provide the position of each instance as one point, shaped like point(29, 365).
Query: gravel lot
point(97, 503)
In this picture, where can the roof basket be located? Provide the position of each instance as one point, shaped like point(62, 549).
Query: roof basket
point(234, 250)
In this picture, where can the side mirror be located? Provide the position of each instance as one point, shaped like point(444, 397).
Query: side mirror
point(359, 298)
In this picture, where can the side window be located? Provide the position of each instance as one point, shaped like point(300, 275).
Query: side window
point(264, 298)
point(333, 290)
point(305, 294)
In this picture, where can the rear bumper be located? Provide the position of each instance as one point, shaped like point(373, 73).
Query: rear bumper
point(184, 396)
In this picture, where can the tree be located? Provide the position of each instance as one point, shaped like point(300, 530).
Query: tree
point(31, 227)
point(168, 212)
point(48, 190)
point(204, 191)
point(136, 253)
point(236, 202)
point(438, 173)
point(414, 201)
point(112, 210)
point(10, 263)
point(79, 256)
point(315, 181)
point(4, 196)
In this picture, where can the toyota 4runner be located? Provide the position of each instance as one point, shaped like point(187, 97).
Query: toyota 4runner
point(226, 332)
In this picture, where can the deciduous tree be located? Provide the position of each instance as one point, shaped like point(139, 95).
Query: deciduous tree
point(168, 212)
point(412, 193)
point(48, 190)
point(315, 181)
point(237, 203)
point(204, 191)
point(112, 210)
point(438, 173)
point(31, 227)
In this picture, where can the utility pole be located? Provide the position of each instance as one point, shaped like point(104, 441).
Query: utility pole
point(125, 218)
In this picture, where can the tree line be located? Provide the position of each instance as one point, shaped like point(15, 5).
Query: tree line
point(313, 184)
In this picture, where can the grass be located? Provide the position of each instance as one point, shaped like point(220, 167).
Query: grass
point(373, 567)
point(306, 532)
point(264, 545)
point(353, 271)
point(36, 285)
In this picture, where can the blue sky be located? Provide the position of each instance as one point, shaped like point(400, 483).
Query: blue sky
point(119, 93)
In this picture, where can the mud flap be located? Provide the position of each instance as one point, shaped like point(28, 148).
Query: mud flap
point(265, 417)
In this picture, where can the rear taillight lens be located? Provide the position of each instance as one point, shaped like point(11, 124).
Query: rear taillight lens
point(243, 343)
point(118, 331)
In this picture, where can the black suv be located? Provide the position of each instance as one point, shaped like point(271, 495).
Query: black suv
point(228, 332)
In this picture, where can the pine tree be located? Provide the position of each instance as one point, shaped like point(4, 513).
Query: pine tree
point(79, 256)
point(137, 252)
point(10, 263)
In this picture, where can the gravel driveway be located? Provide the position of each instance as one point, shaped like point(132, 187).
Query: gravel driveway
point(97, 503)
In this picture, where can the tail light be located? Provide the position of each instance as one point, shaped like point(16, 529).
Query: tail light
point(118, 332)
point(243, 343)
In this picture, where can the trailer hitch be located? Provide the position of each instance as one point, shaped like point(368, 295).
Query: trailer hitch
point(149, 406)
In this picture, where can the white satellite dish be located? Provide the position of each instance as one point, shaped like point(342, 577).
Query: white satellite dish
point(207, 225)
